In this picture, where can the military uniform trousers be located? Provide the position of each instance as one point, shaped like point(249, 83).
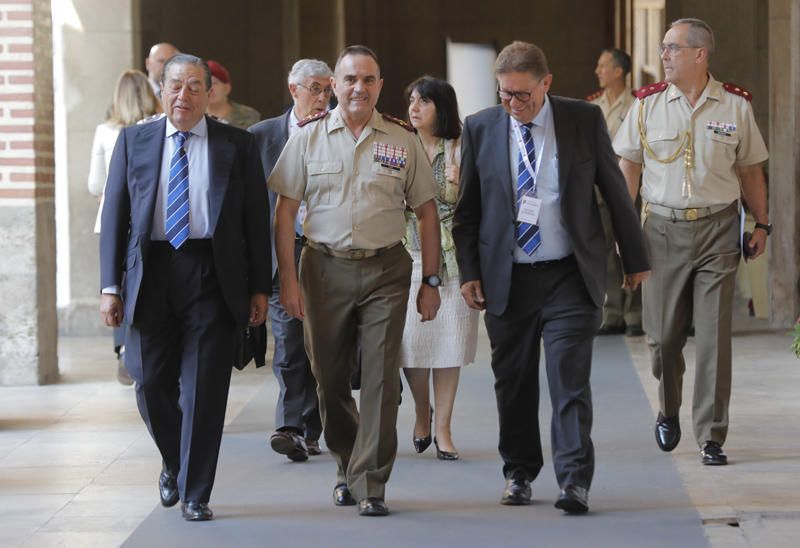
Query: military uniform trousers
point(693, 276)
point(180, 351)
point(351, 305)
point(297, 405)
point(622, 306)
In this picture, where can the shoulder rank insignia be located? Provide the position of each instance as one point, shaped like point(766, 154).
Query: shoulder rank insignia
point(737, 90)
point(594, 95)
point(650, 89)
point(402, 123)
point(312, 118)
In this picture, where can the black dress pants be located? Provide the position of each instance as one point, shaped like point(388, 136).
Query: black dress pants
point(180, 351)
point(546, 302)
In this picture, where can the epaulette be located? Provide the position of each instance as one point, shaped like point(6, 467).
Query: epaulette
point(312, 118)
point(594, 95)
point(650, 89)
point(737, 90)
point(402, 123)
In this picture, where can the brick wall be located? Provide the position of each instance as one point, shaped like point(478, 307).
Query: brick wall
point(26, 101)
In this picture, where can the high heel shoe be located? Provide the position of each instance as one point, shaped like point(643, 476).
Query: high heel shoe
point(445, 455)
point(421, 444)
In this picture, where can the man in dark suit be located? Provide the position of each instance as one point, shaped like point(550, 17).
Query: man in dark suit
point(531, 252)
point(297, 422)
point(185, 217)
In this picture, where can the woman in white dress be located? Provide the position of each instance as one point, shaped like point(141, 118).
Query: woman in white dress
point(134, 100)
point(448, 342)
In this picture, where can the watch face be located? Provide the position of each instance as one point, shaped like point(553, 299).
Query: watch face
point(433, 280)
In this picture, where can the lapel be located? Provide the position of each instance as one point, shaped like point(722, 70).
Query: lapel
point(220, 159)
point(498, 134)
point(149, 146)
point(565, 138)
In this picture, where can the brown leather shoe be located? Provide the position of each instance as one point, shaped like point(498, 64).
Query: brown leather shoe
point(290, 444)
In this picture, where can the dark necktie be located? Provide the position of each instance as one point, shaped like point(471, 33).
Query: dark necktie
point(177, 223)
point(528, 237)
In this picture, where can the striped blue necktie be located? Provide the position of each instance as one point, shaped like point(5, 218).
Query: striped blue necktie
point(177, 223)
point(528, 237)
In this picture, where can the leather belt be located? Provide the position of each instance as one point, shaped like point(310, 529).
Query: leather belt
point(691, 214)
point(545, 264)
point(351, 254)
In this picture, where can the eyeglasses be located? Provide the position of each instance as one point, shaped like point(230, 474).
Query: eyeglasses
point(523, 96)
point(316, 89)
point(673, 49)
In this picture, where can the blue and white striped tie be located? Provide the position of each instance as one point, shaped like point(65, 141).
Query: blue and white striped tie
point(177, 223)
point(528, 237)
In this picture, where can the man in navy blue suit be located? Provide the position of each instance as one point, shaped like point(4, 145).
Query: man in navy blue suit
point(297, 422)
point(185, 218)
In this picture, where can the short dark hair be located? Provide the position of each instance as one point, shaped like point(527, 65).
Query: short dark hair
point(620, 59)
point(356, 50)
point(448, 124)
point(521, 56)
point(187, 59)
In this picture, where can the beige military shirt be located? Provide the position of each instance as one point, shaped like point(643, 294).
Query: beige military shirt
point(356, 191)
point(724, 135)
point(615, 112)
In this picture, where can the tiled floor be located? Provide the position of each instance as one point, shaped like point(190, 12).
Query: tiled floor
point(77, 467)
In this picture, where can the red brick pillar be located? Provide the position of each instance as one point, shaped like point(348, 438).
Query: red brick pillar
point(28, 324)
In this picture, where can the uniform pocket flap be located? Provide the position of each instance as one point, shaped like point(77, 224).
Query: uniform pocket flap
point(654, 135)
point(727, 139)
point(317, 168)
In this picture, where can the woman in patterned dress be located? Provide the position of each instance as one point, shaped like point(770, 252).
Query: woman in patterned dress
point(448, 342)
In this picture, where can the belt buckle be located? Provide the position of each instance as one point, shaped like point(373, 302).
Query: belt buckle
point(691, 214)
point(357, 254)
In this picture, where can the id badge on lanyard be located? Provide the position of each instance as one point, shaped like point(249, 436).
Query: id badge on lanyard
point(530, 205)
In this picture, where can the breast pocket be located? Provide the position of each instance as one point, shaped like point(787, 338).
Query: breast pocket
point(325, 181)
point(664, 142)
point(389, 187)
point(721, 153)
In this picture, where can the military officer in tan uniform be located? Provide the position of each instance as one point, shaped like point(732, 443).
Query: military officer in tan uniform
point(701, 151)
point(357, 171)
point(622, 310)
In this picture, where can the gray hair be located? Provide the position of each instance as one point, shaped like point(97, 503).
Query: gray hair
point(700, 34)
point(309, 68)
point(187, 59)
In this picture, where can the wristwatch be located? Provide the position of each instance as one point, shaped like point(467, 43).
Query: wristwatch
point(433, 280)
point(765, 227)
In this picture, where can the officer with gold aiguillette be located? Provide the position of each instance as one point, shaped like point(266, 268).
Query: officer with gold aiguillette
point(697, 141)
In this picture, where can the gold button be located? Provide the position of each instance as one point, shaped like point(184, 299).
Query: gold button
point(691, 214)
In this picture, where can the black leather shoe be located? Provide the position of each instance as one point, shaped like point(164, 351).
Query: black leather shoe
point(634, 331)
point(611, 330)
point(517, 492)
point(196, 511)
point(668, 432)
point(342, 496)
point(372, 506)
point(713, 455)
point(445, 455)
point(312, 446)
point(168, 488)
point(573, 500)
point(289, 443)
point(421, 444)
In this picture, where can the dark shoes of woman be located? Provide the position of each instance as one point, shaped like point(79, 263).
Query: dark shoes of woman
point(421, 444)
point(445, 455)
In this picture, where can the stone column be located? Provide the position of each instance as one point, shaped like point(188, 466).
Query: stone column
point(27, 221)
point(93, 44)
point(784, 160)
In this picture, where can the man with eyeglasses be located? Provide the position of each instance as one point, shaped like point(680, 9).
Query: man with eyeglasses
point(622, 311)
point(185, 216)
point(697, 141)
point(297, 422)
point(531, 252)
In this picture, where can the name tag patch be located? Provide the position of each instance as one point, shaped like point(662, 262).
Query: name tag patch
point(390, 156)
point(721, 128)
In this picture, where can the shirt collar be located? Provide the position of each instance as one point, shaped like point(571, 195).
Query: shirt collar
point(200, 129)
point(293, 120)
point(375, 122)
point(713, 90)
